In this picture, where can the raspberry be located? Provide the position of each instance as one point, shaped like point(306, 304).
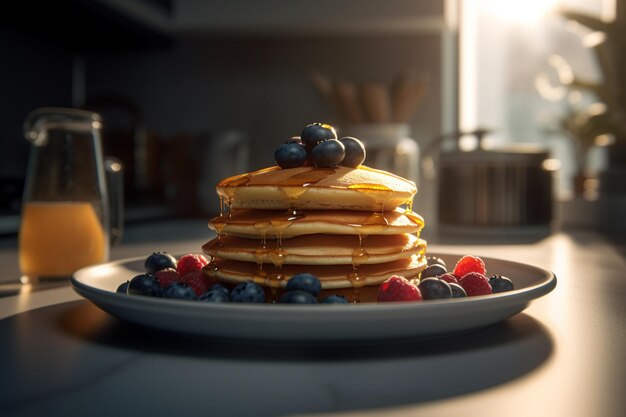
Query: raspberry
point(397, 288)
point(197, 281)
point(468, 264)
point(166, 277)
point(190, 263)
point(450, 278)
point(475, 284)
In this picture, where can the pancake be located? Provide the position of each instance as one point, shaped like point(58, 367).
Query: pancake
point(340, 188)
point(286, 224)
point(317, 249)
point(330, 276)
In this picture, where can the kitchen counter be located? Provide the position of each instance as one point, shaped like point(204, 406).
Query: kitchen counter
point(563, 356)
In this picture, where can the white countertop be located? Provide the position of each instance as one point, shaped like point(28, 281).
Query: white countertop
point(564, 356)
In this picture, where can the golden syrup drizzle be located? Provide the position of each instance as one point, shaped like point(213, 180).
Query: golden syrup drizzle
point(293, 193)
point(355, 279)
point(365, 187)
point(360, 255)
point(243, 180)
point(219, 223)
point(307, 178)
point(263, 227)
point(228, 195)
point(212, 268)
point(408, 206)
point(212, 246)
point(260, 276)
point(274, 281)
point(261, 255)
point(277, 255)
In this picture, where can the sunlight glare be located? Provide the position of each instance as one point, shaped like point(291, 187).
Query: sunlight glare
point(520, 11)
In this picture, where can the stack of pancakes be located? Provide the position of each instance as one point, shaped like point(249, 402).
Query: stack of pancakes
point(351, 227)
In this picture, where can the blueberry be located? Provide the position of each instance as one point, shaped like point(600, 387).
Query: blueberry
point(247, 292)
point(432, 260)
point(294, 139)
point(217, 294)
point(328, 154)
point(158, 261)
point(434, 270)
point(335, 299)
point(290, 155)
point(316, 133)
point(500, 284)
point(457, 290)
point(355, 152)
point(433, 288)
point(219, 287)
point(304, 282)
point(123, 288)
point(298, 297)
point(144, 284)
point(179, 291)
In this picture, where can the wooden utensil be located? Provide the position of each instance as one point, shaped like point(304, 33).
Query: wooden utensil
point(407, 92)
point(325, 88)
point(347, 98)
point(376, 102)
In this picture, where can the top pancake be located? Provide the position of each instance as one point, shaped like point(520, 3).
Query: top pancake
point(340, 188)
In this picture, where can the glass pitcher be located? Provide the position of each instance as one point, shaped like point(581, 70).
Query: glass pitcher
point(65, 212)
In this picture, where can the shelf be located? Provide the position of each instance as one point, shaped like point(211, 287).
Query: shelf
point(288, 17)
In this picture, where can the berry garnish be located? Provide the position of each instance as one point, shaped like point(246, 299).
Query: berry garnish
point(432, 260)
point(467, 264)
point(475, 283)
point(290, 155)
point(500, 284)
point(190, 263)
point(197, 281)
point(434, 289)
point(166, 277)
point(219, 287)
point(449, 277)
point(434, 270)
point(247, 292)
point(457, 290)
point(304, 282)
point(316, 133)
point(328, 154)
point(335, 299)
point(123, 287)
point(294, 139)
point(179, 291)
point(158, 261)
point(355, 152)
point(397, 288)
point(298, 297)
point(217, 294)
point(144, 284)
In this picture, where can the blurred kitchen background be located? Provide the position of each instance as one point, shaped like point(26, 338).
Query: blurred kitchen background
point(509, 115)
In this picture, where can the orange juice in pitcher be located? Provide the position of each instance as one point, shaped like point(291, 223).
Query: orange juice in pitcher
point(58, 238)
point(65, 213)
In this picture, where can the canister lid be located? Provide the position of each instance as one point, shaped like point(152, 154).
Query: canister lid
point(526, 153)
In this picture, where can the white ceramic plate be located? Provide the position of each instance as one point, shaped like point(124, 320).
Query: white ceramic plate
point(330, 322)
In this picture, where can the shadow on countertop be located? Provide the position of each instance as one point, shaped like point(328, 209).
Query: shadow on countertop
point(77, 350)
